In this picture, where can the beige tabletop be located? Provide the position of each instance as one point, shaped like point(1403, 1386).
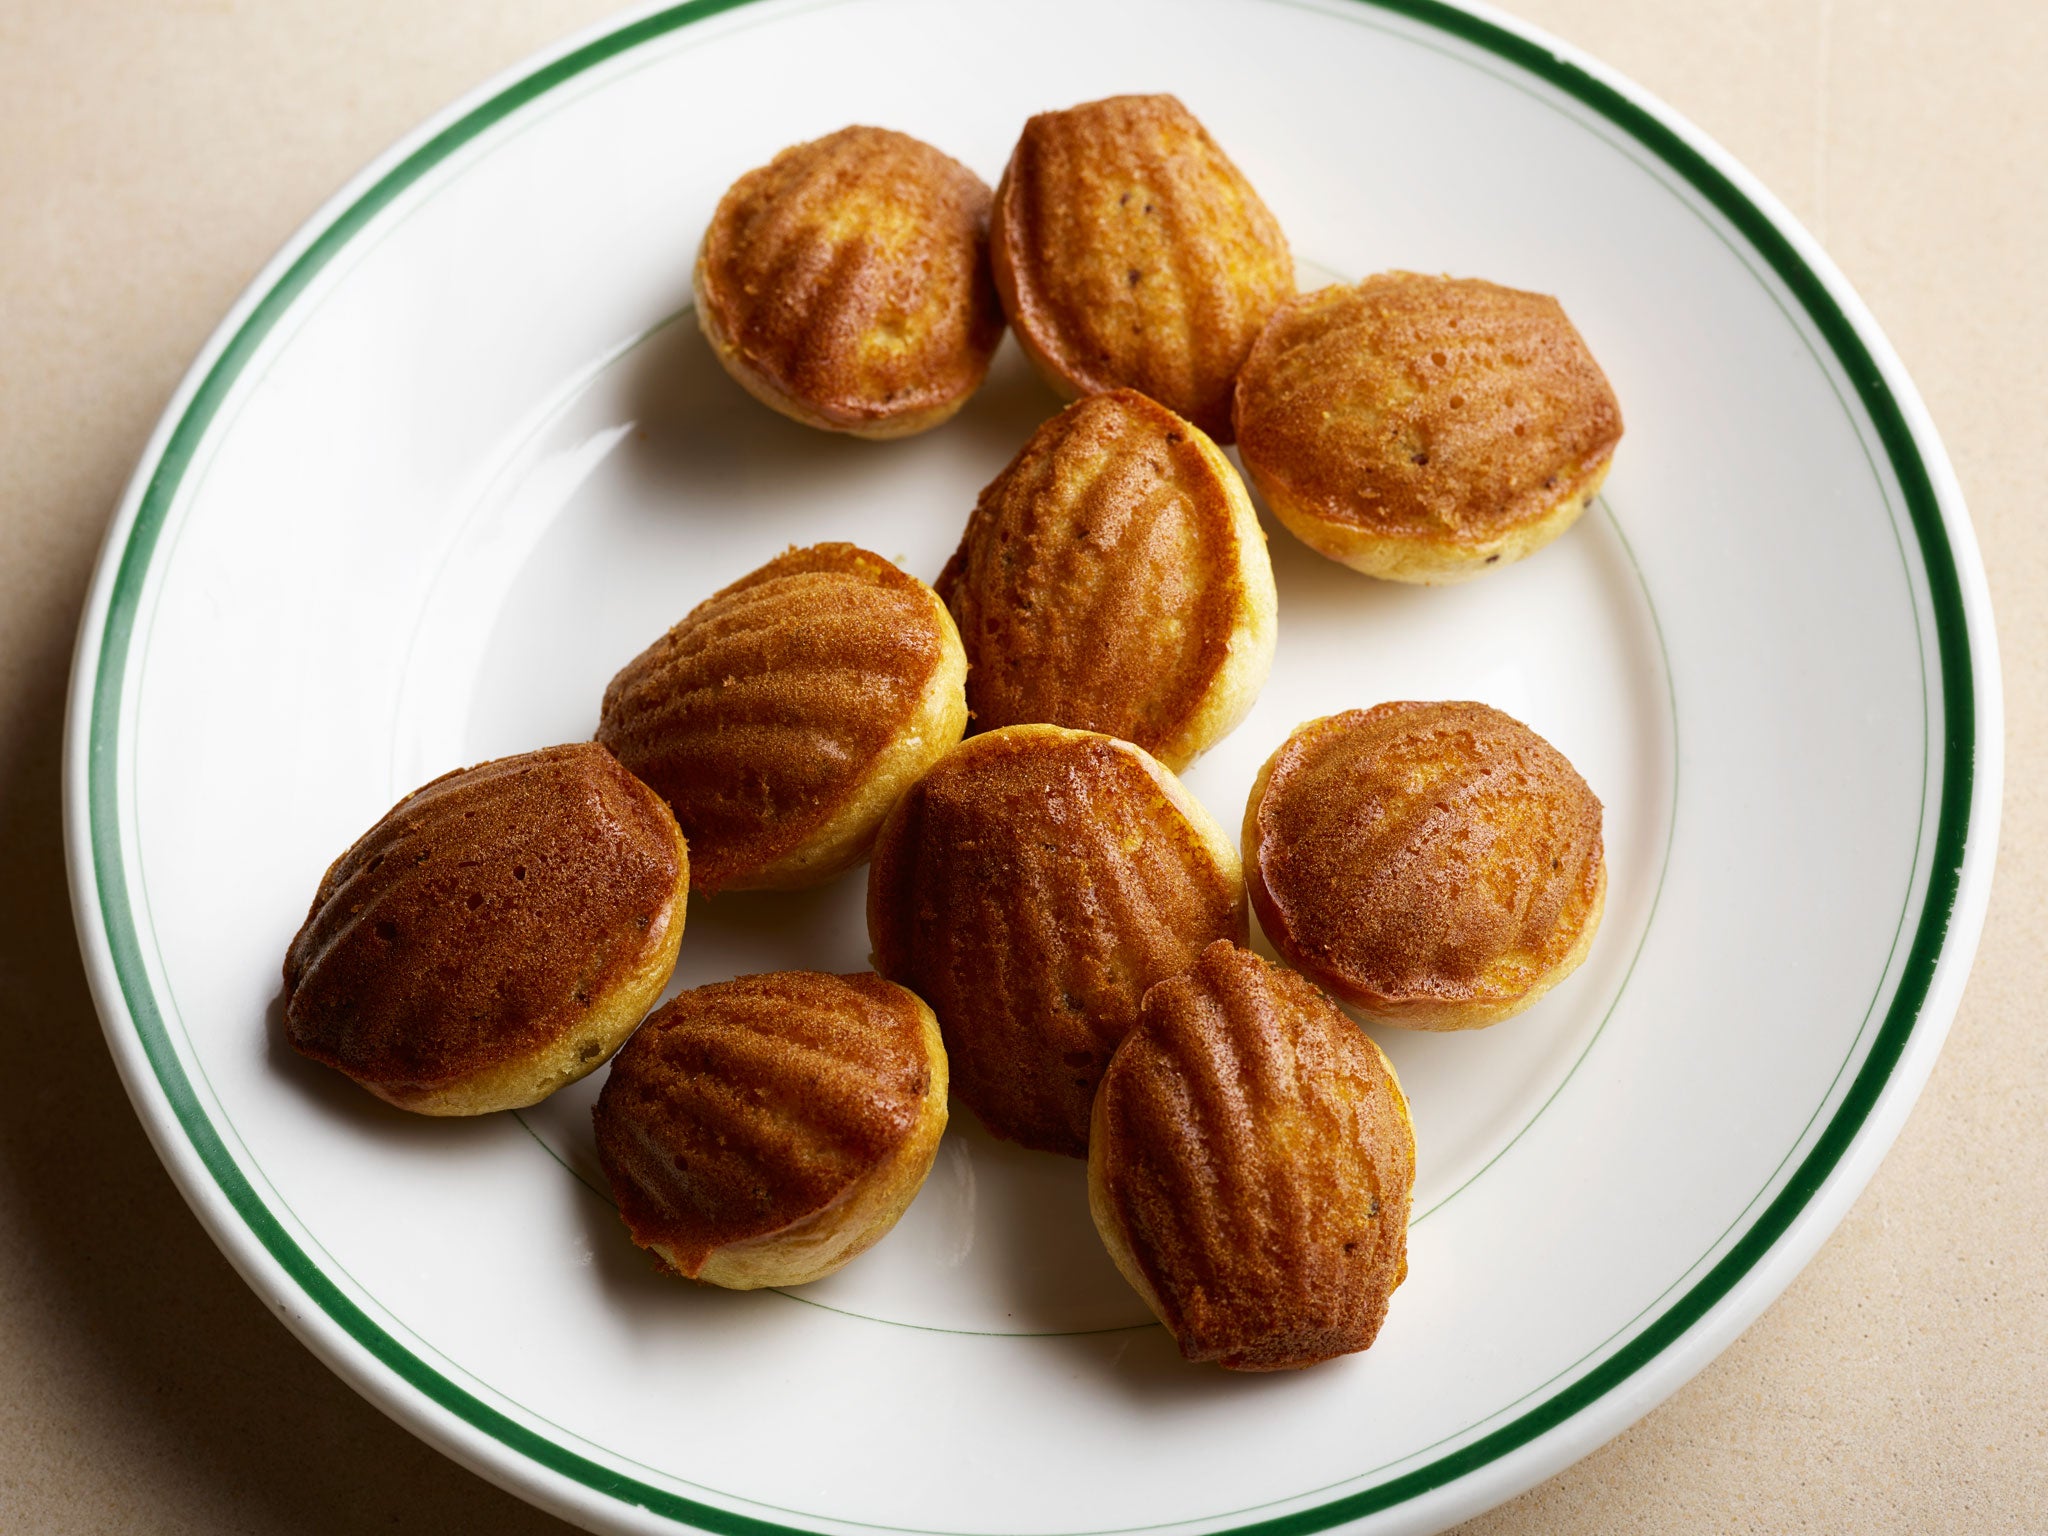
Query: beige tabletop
point(151, 159)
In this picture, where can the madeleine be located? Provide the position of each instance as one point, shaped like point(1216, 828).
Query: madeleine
point(767, 1130)
point(1424, 429)
point(1437, 865)
point(1128, 250)
point(784, 715)
point(1030, 888)
point(496, 935)
point(846, 283)
point(1251, 1166)
point(1114, 578)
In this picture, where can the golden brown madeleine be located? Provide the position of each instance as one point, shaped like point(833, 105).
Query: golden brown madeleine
point(1425, 428)
point(1114, 578)
point(785, 714)
point(1129, 251)
point(766, 1130)
point(1250, 1167)
point(1030, 888)
point(495, 936)
point(846, 283)
point(1437, 865)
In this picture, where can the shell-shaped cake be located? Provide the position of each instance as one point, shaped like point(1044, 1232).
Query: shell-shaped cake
point(766, 1130)
point(1114, 578)
point(1437, 865)
point(846, 283)
point(1424, 429)
point(1129, 250)
point(784, 715)
point(1251, 1167)
point(496, 935)
point(1030, 888)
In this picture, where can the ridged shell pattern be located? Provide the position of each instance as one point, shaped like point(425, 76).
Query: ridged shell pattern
point(484, 916)
point(853, 271)
point(1131, 251)
point(1097, 584)
point(1257, 1156)
point(1423, 850)
point(761, 712)
point(745, 1106)
point(1029, 889)
point(1446, 407)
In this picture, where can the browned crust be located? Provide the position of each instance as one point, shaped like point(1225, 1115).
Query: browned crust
point(1128, 250)
point(1252, 1166)
point(767, 710)
point(487, 919)
point(846, 283)
point(1030, 888)
point(1434, 411)
point(1108, 577)
point(740, 1109)
point(1434, 864)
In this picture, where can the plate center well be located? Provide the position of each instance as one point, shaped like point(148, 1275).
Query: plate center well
point(653, 480)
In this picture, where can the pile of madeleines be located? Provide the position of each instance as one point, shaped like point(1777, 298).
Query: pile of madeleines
point(1059, 928)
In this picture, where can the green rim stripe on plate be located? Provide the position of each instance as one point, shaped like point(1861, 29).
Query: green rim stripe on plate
point(1916, 976)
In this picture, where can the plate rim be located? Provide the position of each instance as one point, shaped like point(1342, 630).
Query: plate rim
point(1688, 1332)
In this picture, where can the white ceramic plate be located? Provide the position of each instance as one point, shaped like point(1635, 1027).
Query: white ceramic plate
point(454, 458)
